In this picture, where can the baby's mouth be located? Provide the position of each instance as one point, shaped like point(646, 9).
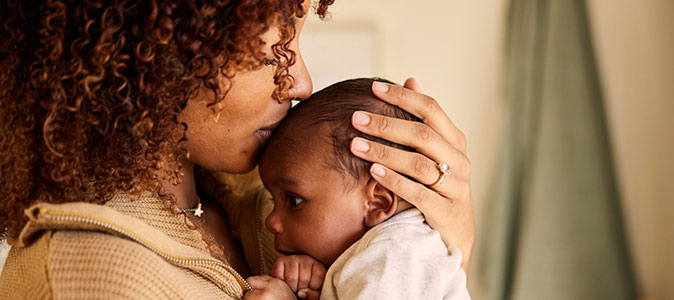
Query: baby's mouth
point(285, 252)
point(281, 249)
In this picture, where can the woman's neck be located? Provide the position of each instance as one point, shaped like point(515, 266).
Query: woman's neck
point(185, 192)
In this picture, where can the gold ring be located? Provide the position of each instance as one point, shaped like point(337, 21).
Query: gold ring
point(444, 171)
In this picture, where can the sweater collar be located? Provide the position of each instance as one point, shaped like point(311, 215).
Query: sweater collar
point(86, 216)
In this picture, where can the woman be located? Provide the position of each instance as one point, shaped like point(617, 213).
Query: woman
point(108, 107)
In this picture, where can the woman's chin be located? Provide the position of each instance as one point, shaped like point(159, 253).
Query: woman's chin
point(245, 169)
point(241, 167)
point(242, 164)
point(247, 162)
point(239, 161)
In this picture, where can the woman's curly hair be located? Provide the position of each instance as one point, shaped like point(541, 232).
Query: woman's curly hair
point(91, 90)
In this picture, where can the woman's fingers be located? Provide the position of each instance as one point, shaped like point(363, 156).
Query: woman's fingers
point(258, 282)
point(267, 287)
point(413, 192)
point(424, 107)
point(418, 194)
point(414, 134)
point(412, 84)
point(442, 195)
point(415, 165)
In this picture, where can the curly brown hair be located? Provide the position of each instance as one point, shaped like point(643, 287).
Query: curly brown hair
point(90, 91)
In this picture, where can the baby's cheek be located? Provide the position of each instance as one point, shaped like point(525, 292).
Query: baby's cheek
point(323, 252)
point(300, 237)
point(329, 246)
point(311, 242)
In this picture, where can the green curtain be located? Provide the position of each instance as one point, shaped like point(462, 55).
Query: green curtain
point(553, 227)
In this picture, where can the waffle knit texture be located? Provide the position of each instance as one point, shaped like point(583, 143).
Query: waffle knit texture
point(159, 255)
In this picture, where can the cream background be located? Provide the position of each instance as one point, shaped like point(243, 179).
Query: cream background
point(454, 48)
point(635, 45)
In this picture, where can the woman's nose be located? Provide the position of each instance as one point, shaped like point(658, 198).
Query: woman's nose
point(303, 85)
point(273, 222)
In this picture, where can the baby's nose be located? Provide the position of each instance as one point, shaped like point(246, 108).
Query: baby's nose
point(273, 223)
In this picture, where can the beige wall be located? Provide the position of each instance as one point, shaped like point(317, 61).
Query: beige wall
point(634, 43)
point(454, 48)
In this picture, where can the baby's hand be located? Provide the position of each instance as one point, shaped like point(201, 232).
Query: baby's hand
point(303, 274)
point(267, 287)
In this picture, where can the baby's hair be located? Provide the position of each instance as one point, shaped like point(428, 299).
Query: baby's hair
point(331, 109)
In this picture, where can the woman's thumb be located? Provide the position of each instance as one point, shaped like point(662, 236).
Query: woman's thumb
point(412, 84)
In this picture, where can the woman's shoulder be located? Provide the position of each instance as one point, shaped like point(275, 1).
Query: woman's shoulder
point(24, 275)
point(56, 261)
point(85, 264)
point(80, 247)
point(104, 264)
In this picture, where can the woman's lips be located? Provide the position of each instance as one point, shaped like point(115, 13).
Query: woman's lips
point(263, 134)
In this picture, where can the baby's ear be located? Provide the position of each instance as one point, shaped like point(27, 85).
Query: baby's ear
point(381, 203)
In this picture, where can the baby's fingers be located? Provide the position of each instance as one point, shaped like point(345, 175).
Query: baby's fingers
point(317, 276)
point(278, 269)
point(304, 280)
point(309, 294)
point(291, 275)
point(287, 270)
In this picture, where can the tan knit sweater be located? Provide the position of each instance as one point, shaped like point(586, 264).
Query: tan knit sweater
point(132, 249)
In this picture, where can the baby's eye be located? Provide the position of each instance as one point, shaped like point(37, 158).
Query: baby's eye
point(270, 61)
point(294, 200)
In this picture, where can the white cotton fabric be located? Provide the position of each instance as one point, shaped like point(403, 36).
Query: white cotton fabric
point(401, 258)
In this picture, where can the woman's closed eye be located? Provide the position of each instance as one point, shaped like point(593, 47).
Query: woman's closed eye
point(270, 61)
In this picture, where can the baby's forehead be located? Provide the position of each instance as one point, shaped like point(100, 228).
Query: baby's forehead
point(301, 137)
point(309, 142)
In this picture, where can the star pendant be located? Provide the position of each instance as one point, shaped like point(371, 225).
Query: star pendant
point(198, 211)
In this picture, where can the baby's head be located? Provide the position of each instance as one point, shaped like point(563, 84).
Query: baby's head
point(324, 196)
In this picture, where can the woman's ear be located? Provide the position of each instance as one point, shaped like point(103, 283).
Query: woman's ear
point(381, 203)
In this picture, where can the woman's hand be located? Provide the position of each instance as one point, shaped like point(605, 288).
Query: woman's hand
point(265, 287)
point(446, 202)
point(303, 274)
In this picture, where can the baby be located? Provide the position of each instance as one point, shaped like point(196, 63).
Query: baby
point(327, 206)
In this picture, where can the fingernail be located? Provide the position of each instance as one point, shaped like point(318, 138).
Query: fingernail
point(378, 170)
point(360, 145)
point(361, 118)
point(380, 87)
point(301, 294)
